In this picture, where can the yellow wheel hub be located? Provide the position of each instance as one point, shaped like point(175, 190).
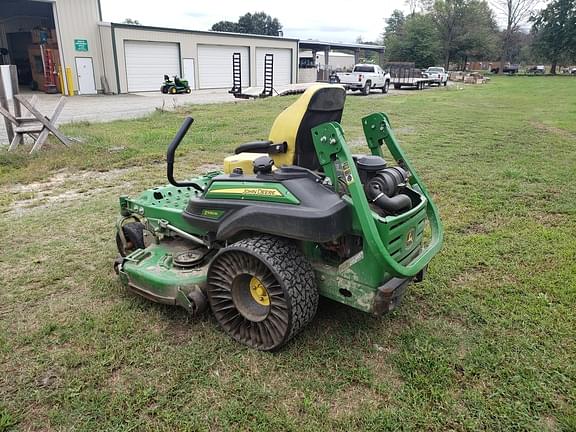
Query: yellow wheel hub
point(259, 293)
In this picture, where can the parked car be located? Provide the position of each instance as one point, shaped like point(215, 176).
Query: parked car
point(573, 71)
point(365, 77)
point(540, 69)
point(438, 74)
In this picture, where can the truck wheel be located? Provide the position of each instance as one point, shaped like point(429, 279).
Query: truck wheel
point(396, 86)
point(386, 87)
point(366, 89)
point(445, 83)
point(262, 291)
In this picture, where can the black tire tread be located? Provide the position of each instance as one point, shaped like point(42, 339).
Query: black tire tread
point(295, 273)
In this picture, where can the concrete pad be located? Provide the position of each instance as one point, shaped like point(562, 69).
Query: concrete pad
point(279, 90)
point(102, 108)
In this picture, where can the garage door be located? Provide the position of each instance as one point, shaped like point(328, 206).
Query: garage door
point(148, 62)
point(282, 66)
point(215, 66)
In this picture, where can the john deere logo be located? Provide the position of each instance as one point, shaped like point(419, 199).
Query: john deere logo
point(249, 191)
point(410, 238)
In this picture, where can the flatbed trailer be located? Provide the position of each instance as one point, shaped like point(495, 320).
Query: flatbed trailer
point(402, 76)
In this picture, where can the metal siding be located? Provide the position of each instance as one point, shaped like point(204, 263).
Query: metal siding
point(78, 19)
point(109, 65)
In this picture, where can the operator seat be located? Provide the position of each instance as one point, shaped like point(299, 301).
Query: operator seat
point(290, 140)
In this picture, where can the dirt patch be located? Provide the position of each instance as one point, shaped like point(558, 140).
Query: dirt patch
point(353, 399)
point(551, 220)
point(63, 176)
point(202, 169)
point(555, 130)
point(39, 195)
point(485, 226)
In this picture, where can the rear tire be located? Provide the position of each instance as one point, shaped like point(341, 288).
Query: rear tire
point(397, 86)
point(386, 87)
point(366, 89)
point(262, 291)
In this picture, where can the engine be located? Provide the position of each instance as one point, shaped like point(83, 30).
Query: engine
point(384, 186)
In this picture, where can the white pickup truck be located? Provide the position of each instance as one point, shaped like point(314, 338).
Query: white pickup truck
point(365, 77)
point(438, 74)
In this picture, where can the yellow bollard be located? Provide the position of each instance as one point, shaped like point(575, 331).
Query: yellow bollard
point(70, 81)
point(61, 79)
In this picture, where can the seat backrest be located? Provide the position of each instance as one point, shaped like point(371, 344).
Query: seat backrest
point(319, 104)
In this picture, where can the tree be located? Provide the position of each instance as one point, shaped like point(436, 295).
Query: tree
point(420, 41)
point(131, 21)
point(226, 26)
point(480, 37)
point(257, 23)
point(554, 30)
point(515, 12)
point(411, 39)
point(466, 29)
point(448, 16)
point(393, 34)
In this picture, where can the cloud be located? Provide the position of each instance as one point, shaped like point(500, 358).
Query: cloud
point(324, 29)
point(197, 14)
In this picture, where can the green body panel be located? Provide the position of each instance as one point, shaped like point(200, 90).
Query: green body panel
point(253, 191)
point(166, 203)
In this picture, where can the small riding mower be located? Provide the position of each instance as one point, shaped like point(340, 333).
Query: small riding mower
point(287, 220)
point(175, 86)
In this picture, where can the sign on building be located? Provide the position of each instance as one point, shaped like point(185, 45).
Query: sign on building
point(81, 45)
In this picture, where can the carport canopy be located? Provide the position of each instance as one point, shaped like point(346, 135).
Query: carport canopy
point(356, 49)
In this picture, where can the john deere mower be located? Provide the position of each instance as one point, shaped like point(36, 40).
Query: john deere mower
point(287, 220)
point(175, 86)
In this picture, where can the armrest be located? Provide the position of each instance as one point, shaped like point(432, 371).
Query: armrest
point(261, 147)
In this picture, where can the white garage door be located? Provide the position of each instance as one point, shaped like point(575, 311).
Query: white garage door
point(148, 62)
point(282, 65)
point(215, 65)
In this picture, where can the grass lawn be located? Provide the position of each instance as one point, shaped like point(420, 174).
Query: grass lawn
point(487, 342)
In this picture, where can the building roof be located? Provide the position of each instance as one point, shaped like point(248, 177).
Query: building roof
point(203, 32)
point(321, 45)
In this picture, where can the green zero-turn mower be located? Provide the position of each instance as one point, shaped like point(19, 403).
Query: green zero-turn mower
point(175, 86)
point(287, 220)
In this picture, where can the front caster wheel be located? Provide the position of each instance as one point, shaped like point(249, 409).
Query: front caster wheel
point(262, 291)
point(131, 238)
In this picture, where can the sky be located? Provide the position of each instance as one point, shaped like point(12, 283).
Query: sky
point(320, 20)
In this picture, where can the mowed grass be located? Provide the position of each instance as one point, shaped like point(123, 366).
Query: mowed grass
point(486, 342)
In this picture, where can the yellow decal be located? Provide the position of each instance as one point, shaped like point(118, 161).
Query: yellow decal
point(249, 191)
point(410, 238)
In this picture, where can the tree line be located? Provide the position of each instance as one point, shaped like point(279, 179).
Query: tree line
point(448, 32)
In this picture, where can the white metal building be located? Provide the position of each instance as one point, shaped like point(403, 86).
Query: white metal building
point(67, 40)
point(140, 56)
point(64, 46)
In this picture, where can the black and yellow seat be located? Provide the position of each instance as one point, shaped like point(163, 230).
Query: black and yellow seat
point(290, 140)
